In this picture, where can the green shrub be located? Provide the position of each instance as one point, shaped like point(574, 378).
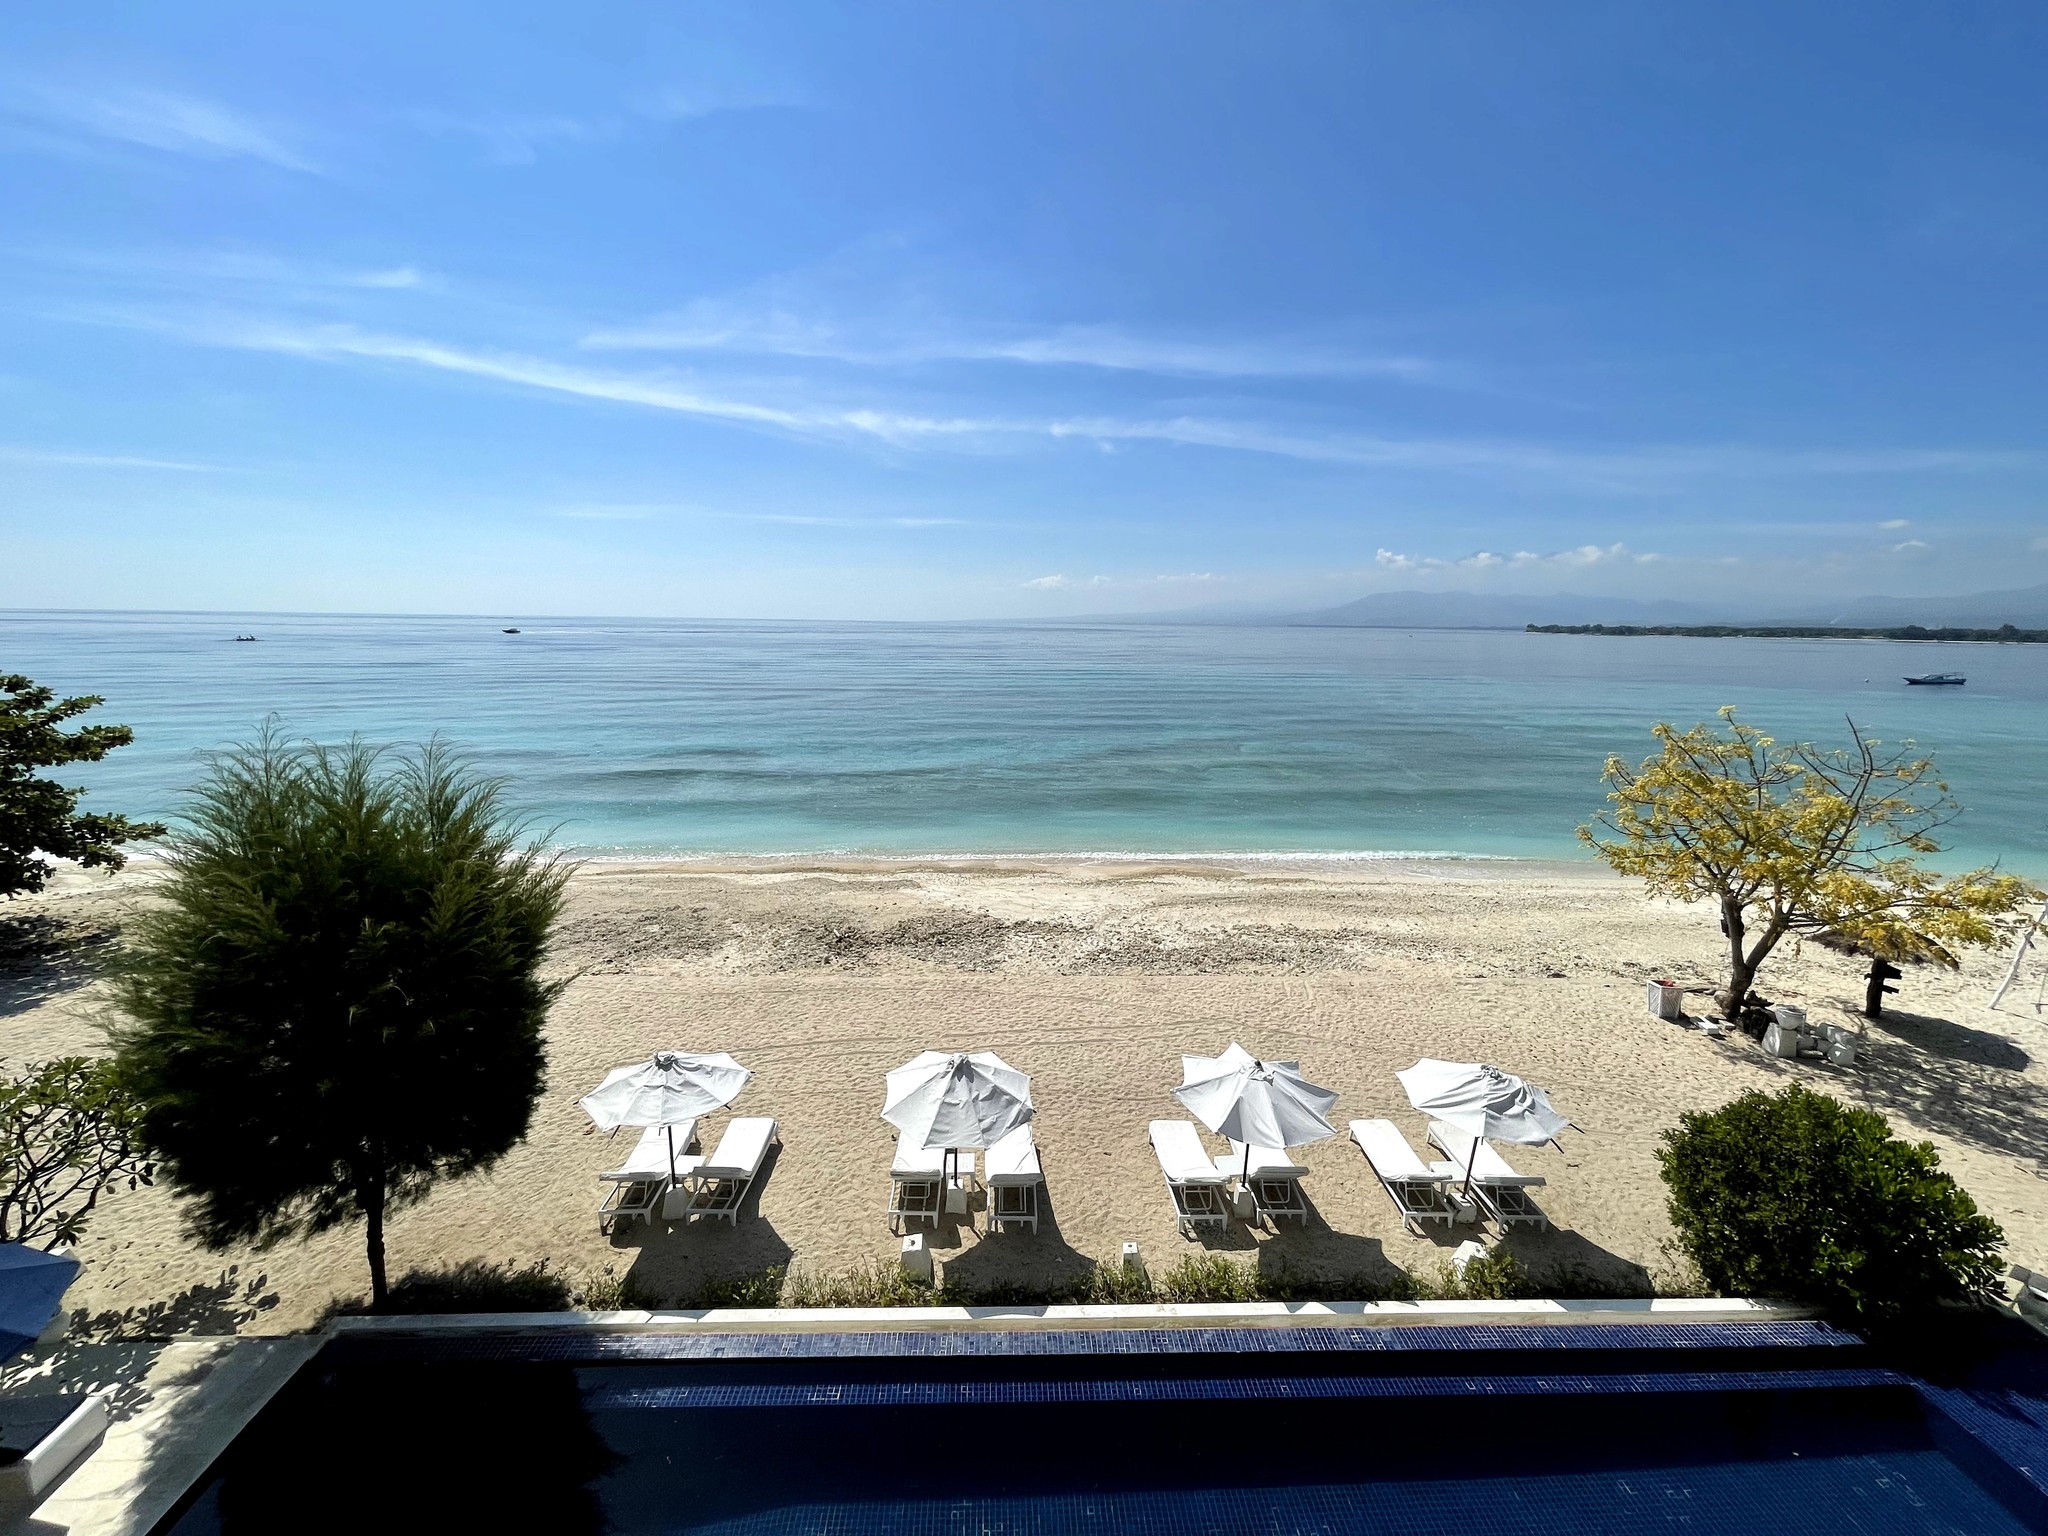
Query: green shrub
point(1207, 1277)
point(476, 1285)
point(763, 1288)
point(1794, 1195)
point(606, 1290)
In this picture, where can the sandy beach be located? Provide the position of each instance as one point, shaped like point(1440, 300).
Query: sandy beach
point(1094, 978)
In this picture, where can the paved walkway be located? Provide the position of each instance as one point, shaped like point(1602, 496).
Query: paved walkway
point(176, 1405)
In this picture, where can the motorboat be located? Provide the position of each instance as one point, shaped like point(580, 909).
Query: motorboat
point(1939, 680)
point(509, 631)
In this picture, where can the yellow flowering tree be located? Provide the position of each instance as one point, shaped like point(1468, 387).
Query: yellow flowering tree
point(1796, 838)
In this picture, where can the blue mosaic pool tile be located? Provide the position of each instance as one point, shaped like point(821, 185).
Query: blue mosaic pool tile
point(907, 1394)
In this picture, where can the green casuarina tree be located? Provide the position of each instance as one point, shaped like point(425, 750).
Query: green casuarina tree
point(1796, 838)
point(337, 1001)
point(1795, 1195)
point(39, 818)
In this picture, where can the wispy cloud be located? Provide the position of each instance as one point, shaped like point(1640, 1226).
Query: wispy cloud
point(719, 327)
point(521, 138)
point(168, 121)
point(1615, 469)
point(1910, 546)
point(44, 457)
point(1894, 524)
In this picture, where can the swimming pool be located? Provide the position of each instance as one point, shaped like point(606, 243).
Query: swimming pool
point(1305, 1431)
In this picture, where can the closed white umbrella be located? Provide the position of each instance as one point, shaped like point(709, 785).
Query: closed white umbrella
point(1484, 1102)
point(1260, 1103)
point(955, 1099)
point(671, 1087)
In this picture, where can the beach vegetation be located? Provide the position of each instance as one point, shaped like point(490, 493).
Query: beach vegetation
point(335, 1003)
point(39, 818)
point(69, 1133)
point(1799, 1197)
point(1787, 839)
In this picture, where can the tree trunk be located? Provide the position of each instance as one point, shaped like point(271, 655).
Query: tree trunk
point(1741, 969)
point(1881, 971)
point(372, 1200)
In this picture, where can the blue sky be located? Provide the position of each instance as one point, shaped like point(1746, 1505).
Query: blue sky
point(975, 310)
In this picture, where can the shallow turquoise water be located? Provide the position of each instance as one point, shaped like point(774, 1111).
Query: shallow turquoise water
point(651, 736)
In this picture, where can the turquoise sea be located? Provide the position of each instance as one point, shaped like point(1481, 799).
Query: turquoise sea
point(668, 737)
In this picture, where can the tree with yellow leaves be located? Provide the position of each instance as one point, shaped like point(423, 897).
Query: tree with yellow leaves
point(1797, 839)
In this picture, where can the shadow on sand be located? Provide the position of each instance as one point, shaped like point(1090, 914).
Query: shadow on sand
point(674, 1264)
point(43, 957)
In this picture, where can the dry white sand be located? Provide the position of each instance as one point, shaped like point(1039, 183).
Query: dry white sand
point(1094, 978)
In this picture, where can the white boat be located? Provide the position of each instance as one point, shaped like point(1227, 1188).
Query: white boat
point(1939, 680)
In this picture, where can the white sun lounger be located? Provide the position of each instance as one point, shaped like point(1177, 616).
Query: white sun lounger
point(1502, 1191)
point(917, 1183)
point(1420, 1191)
point(1012, 1178)
point(1191, 1178)
point(1273, 1180)
point(639, 1184)
point(722, 1182)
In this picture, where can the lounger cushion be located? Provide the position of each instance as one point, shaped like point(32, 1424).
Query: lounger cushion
point(1487, 1165)
point(1266, 1163)
point(917, 1162)
point(1389, 1153)
point(649, 1158)
point(1182, 1157)
point(740, 1150)
point(1014, 1159)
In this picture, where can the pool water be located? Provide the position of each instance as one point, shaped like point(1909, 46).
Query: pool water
point(745, 1439)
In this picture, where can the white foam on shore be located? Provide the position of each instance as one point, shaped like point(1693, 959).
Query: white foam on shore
point(1062, 856)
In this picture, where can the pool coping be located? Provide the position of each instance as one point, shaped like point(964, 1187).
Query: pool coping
point(1686, 1309)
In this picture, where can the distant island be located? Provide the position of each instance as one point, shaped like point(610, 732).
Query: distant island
point(2004, 634)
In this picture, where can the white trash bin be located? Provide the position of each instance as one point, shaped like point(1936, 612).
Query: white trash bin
point(1667, 999)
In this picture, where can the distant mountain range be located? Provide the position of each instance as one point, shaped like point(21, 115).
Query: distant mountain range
point(2026, 607)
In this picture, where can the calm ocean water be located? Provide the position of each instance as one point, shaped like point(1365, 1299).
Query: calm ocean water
point(671, 737)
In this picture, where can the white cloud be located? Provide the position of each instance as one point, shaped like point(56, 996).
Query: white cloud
point(1908, 546)
point(771, 331)
point(1048, 583)
point(1586, 555)
point(1614, 470)
point(159, 120)
point(1893, 524)
point(520, 138)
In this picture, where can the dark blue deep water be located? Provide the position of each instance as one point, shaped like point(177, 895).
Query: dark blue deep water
point(1167, 1444)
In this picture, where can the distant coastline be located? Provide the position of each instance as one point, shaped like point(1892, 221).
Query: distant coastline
point(2005, 634)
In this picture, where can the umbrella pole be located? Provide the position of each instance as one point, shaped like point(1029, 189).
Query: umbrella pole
point(1471, 1158)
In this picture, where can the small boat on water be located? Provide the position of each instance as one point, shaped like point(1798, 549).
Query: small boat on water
point(510, 631)
point(1939, 680)
point(243, 639)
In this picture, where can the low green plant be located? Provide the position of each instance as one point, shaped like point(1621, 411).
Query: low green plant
point(1797, 1196)
point(478, 1285)
point(1207, 1277)
point(762, 1288)
point(874, 1284)
point(606, 1290)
